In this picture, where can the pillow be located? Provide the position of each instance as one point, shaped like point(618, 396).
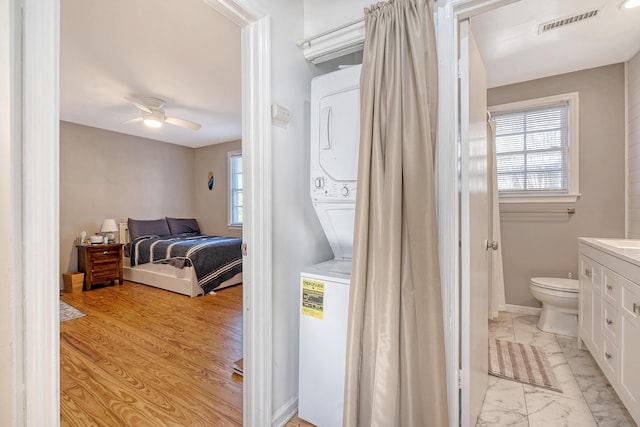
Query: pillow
point(183, 225)
point(154, 227)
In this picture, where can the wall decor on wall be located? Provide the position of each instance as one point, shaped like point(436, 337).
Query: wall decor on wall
point(210, 180)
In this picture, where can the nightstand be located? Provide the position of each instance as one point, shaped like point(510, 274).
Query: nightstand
point(100, 263)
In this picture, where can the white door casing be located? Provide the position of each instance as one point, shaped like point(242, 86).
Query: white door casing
point(474, 227)
point(256, 230)
point(40, 201)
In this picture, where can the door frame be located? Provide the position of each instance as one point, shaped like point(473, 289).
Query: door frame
point(36, 287)
point(448, 14)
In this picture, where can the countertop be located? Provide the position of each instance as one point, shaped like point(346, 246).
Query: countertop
point(625, 249)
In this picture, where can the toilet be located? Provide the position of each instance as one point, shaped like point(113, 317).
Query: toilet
point(559, 298)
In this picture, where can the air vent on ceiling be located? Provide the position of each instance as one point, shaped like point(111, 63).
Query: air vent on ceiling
point(552, 25)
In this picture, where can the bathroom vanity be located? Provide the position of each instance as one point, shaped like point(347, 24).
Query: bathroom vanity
point(609, 312)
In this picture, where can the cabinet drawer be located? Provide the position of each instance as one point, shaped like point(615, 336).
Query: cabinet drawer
point(612, 287)
point(611, 323)
point(610, 356)
point(630, 301)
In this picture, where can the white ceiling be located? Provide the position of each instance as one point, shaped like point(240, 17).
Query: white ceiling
point(182, 51)
point(186, 53)
point(513, 51)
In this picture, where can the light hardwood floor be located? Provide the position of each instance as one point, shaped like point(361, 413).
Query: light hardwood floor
point(147, 357)
point(298, 422)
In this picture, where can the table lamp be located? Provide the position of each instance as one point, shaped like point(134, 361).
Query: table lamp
point(109, 227)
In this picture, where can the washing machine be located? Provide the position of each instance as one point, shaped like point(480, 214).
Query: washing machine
point(323, 340)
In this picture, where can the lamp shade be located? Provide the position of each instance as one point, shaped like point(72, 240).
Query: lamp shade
point(109, 226)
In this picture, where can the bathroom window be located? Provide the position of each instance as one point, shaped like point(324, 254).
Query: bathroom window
point(536, 145)
point(235, 189)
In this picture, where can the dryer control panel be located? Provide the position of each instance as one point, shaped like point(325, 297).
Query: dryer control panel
point(324, 188)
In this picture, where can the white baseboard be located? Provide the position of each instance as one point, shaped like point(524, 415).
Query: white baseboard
point(285, 412)
point(522, 309)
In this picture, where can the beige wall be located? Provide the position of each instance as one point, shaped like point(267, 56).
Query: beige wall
point(106, 174)
point(545, 244)
point(633, 93)
point(212, 206)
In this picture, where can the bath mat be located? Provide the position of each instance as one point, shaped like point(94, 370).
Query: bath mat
point(521, 362)
point(68, 312)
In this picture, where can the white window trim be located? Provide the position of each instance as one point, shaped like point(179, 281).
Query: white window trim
point(231, 225)
point(574, 186)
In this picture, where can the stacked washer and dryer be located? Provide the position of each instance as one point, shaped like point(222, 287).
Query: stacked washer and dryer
point(324, 287)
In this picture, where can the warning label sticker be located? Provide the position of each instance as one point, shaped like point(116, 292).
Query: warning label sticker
point(313, 298)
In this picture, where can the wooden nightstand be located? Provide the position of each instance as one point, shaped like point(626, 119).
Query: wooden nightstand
point(100, 263)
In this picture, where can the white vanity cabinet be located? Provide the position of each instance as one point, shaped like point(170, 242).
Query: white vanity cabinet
point(609, 313)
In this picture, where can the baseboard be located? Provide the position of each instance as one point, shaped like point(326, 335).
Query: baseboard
point(285, 412)
point(523, 309)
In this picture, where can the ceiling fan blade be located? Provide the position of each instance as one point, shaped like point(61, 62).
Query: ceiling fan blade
point(183, 123)
point(138, 103)
point(136, 119)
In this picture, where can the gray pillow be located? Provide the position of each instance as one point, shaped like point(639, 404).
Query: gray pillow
point(183, 225)
point(143, 227)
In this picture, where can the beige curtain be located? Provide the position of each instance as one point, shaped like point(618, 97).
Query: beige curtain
point(496, 279)
point(395, 352)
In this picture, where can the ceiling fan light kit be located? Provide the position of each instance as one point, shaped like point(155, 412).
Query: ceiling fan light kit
point(153, 115)
point(152, 123)
point(629, 4)
point(153, 119)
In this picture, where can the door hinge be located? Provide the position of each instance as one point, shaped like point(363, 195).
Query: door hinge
point(244, 249)
point(459, 68)
point(459, 379)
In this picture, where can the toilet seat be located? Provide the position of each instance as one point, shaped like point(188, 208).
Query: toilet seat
point(555, 283)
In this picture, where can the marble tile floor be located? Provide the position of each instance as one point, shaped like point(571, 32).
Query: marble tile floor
point(587, 398)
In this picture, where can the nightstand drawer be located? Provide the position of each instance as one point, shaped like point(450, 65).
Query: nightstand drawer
point(99, 267)
point(104, 254)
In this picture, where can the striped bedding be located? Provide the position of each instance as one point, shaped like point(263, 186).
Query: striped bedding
point(215, 259)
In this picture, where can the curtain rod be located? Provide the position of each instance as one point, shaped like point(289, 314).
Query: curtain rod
point(307, 42)
point(568, 211)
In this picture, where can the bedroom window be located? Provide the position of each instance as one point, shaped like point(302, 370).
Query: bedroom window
point(536, 146)
point(235, 188)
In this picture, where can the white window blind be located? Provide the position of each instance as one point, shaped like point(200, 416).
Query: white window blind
point(533, 150)
point(235, 188)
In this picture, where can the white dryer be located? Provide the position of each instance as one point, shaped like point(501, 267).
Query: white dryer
point(324, 287)
point(335, 133)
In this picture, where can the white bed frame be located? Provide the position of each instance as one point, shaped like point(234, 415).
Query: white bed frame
point(165, 276)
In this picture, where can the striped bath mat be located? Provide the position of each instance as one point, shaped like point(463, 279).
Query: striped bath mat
point(521, 362)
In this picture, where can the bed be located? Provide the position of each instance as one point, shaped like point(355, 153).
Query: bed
point(161, 257)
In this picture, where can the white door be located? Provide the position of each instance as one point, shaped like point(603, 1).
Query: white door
point(474, 228)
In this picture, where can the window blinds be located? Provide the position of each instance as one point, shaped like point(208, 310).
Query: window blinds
point(235, 189)
point(532, 150)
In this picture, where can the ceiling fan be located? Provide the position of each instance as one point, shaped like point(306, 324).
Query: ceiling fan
point(153, 114)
